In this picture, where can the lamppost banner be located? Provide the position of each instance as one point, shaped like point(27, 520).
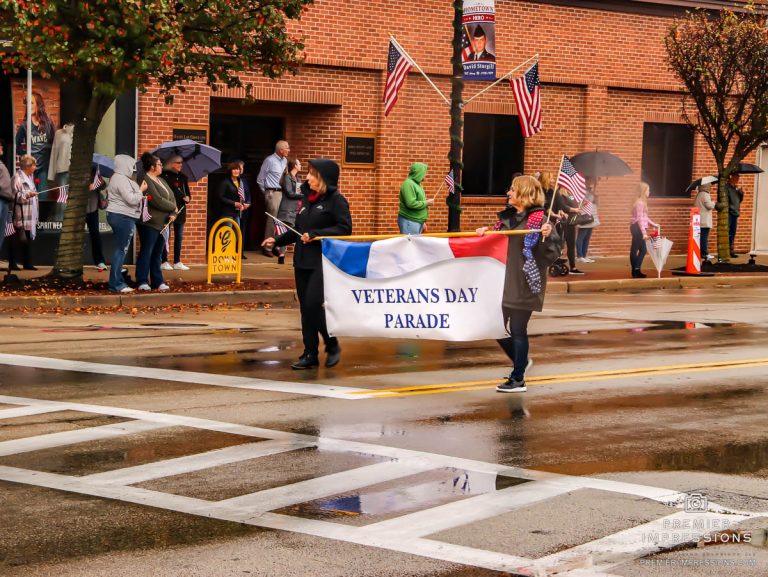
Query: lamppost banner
point(478, 52)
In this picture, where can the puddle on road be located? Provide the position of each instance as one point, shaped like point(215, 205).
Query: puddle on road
point(125, 451)
point(413, 493)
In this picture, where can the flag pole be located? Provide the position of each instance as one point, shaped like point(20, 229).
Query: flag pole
point(430, 234)
point(412, 61)
point(281, 222)
point(507, 75)
point(557, 182)
point(170, 221)
point(438, 190)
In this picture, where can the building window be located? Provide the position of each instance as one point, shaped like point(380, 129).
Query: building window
point(493, 152)
point(667, 158)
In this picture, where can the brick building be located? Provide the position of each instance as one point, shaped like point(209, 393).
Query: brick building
point(605, 85)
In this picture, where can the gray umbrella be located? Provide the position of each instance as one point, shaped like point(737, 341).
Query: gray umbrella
point(600, 163)
point(199, 159)
point(746, 168)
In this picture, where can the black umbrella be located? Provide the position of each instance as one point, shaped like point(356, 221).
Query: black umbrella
point(699, 181)
point(599, 163)
point(745, 168)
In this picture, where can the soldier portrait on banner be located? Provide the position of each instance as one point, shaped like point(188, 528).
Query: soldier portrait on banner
point(478, 53)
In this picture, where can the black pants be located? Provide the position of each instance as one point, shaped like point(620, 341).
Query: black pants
point(309, 287)
point(638, 249)
point(569, 233)
point(18, 249)
point(178, 237)
point(516, 345)
point(92, 220)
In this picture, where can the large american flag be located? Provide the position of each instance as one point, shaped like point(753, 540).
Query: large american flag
point(398, 67)
point(571, 179)
point(527, 91)
point(450, 183)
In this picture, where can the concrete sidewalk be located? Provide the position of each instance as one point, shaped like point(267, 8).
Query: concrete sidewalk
point(605, 274)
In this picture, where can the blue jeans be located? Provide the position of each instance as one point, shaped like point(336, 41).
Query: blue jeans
point(582, 242)
point(704, 241)
point(409, 226)
point(122, 233)
point(4, 208)
point(516, 344)
point(733, 220)
point(150, 253)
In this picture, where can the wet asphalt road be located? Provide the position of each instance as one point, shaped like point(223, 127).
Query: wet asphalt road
point(400, 461)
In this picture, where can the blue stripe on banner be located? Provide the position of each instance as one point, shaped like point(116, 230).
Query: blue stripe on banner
point(350, 257)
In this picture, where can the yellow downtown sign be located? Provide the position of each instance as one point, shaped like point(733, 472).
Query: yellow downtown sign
point(224, 249)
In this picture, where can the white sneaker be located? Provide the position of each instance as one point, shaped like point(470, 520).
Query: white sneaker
point(101, 267)
point(180, 266)
point(163, 287)
point(145, 287)
point(581, 259)
point(166, 266)
point(126, 289)
point(587, 259)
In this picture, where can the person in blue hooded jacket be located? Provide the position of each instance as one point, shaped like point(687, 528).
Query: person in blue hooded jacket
point(414, 204)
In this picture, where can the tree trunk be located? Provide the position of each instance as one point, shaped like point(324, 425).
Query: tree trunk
point(69, 256)
point(457, 122)
point(723, 246)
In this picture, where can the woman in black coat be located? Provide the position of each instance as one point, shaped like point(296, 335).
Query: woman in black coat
point(324, 212)
point(231, 205)
point(525, 281)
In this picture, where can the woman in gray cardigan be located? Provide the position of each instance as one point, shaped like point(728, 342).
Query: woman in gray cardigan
point(162, 210)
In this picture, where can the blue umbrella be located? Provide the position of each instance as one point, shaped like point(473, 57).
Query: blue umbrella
point(105, 164)
point(199, 159)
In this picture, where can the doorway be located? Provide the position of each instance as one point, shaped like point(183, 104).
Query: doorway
point(250, 139)
point(760, 214)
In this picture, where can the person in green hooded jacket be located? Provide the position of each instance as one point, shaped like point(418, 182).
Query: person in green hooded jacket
point(413, 202)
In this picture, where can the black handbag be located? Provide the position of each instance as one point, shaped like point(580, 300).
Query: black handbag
point(22, 236)
point(582, 219)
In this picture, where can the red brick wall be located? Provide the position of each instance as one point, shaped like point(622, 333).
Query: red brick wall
point(603, 73)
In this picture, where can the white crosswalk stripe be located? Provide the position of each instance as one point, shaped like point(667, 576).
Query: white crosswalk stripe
point(407, 533)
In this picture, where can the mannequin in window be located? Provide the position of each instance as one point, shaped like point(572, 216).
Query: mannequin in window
point(61, 154)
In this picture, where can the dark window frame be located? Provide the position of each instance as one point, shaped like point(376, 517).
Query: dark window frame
point(667, 158)
point(490, 160)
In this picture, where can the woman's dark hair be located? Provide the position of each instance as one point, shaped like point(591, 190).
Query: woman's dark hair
point(148, 160)
point(290, 166)
point(232, 166)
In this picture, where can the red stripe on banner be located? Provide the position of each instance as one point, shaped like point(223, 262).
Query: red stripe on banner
point(492, 245)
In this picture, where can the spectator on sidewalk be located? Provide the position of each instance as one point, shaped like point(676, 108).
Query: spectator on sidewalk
point(705, 205)
point(230, 203)
point(123, 209)
point(6, 193)
point(735, 196)
point(638, 228)
point(92, 220)
point(25, 213)
point(269, 182)
point(566, 207)
point(584, 235)
point(162, 210)
point(414, 204)
point(289, 205)
point(179, 184)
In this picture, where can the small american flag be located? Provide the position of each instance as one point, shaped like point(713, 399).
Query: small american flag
point(145, 215)
point(572, 180)
point(450, 184)
point(240, 190)
point(398, 67)
point(280, 228)
point(97, 180)
point(527, 91)
point(10, 230)
point(63, 194)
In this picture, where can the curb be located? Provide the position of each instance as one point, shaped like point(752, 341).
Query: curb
point(286, 298)
point(276, 298)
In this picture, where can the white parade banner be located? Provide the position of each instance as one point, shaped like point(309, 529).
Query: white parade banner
point(416, 288)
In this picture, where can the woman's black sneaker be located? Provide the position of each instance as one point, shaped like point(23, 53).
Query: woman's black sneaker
point(305, 362)
point(576, 271)
point(512, 386)
point(333, 357)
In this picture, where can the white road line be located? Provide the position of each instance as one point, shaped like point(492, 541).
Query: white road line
point(64, 438)
point(27, 411)
point(638, 541)
point(320, 487)
point(230, 381)
point(191, 463)
point(422, 547)
point(466, 511)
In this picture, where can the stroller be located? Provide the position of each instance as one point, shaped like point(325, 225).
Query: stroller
point(560, 266)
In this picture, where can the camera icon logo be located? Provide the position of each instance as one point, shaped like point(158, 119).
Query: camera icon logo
point(696, 503)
